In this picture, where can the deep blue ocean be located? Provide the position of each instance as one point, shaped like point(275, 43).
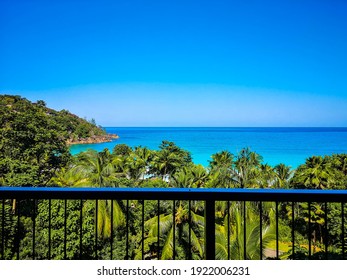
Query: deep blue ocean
point(276, 145)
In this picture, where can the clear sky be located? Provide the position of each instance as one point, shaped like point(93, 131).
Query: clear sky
point(180, 62)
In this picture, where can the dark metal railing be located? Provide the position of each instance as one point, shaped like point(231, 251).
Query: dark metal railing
point(209, 196)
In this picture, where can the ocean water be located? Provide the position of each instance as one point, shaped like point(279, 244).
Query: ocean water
point(290, 146)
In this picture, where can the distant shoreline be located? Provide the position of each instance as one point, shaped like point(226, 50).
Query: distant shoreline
point(291, 146)
point(97, 139)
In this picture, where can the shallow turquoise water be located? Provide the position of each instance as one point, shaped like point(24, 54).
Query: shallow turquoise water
point(277, 145)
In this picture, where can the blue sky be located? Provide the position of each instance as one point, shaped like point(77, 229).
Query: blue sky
point(180, 63)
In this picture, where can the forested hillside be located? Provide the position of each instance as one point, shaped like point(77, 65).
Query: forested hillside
point(33, 140)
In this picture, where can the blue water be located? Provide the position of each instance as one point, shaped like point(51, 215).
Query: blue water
point(277, 145)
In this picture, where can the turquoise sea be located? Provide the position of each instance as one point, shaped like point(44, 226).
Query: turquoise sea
point(277, 145)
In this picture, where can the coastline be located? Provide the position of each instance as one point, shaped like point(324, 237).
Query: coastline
point(97, 139)
point(291, 146)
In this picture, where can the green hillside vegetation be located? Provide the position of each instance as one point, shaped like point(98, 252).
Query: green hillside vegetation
point(70, 125)
point(33, 143)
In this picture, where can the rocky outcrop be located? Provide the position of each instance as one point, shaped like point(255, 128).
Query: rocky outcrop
point(93, 139)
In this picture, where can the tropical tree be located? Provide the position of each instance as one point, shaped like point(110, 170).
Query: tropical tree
point(138, 163)
point(192, 176)
point(221, 170)
point(169, 159)
point(266, 176)
point(246, 168)
point(316, 173)
point(283, 175)
point(98, 167)
point(223, 159)
point(32, 145)
point(236, 240)
point(100, 172)
point(176, 229)
point(121, 150)
point(339, 162)
point(182, 179)
point(69, 177)
point(200, 176)
point(338, 170)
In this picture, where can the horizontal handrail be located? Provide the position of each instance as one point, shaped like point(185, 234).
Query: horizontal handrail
point(175, 193)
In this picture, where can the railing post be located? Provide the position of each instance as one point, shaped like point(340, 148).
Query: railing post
point(210, 233)
point(3, 231)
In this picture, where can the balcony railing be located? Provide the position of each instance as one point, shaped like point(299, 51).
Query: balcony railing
point(17, 202)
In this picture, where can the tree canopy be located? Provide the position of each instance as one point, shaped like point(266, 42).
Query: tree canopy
point(33, 143)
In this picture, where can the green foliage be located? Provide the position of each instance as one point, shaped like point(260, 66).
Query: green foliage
point(74, 127)
point(33, 143)
point(121, 150)
point(9, 233)
point(31, 146)
point(169, 159)
point(318, 172)
point(236, 228)
point(97, 167)
point(174, 225)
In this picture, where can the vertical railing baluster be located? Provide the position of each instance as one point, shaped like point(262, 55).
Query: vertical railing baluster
point(293, 224)
point(3, 230)
point(277, 232)
point(18, 226)
point(65, 227)
point(127, 232)
point(261, 230)
point(81, 227)
point(309, 230)
point(174, 230)
point(228, 229)
point(210, 230)
point(189, 230)
point(34, 226)
point(326, 229)
point(49, 227)
point(343, 229)
point(244, 231)
point(143, 230)
point(158, 245)
point(111, 240)
point(96, 229)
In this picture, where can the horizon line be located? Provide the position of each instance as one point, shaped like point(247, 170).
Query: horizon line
point(341, 127)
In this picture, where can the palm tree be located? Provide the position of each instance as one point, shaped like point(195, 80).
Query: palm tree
point(246, 168)
point(340, 162)
point(138, 163)
point(121, 166)
point(283, 175)
point(182, 179)
point(166, 163)
point(104, 215)
point(181, 226)
point(72, 177)
point(266, 176)
point(314, 174)
point(314, 213)
point(193, 176)
point(169, 159)
point(98, 167)
point(222, 159)
point(221, 170)
point(236, 238)
point(200, 176)
point(100, 172)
